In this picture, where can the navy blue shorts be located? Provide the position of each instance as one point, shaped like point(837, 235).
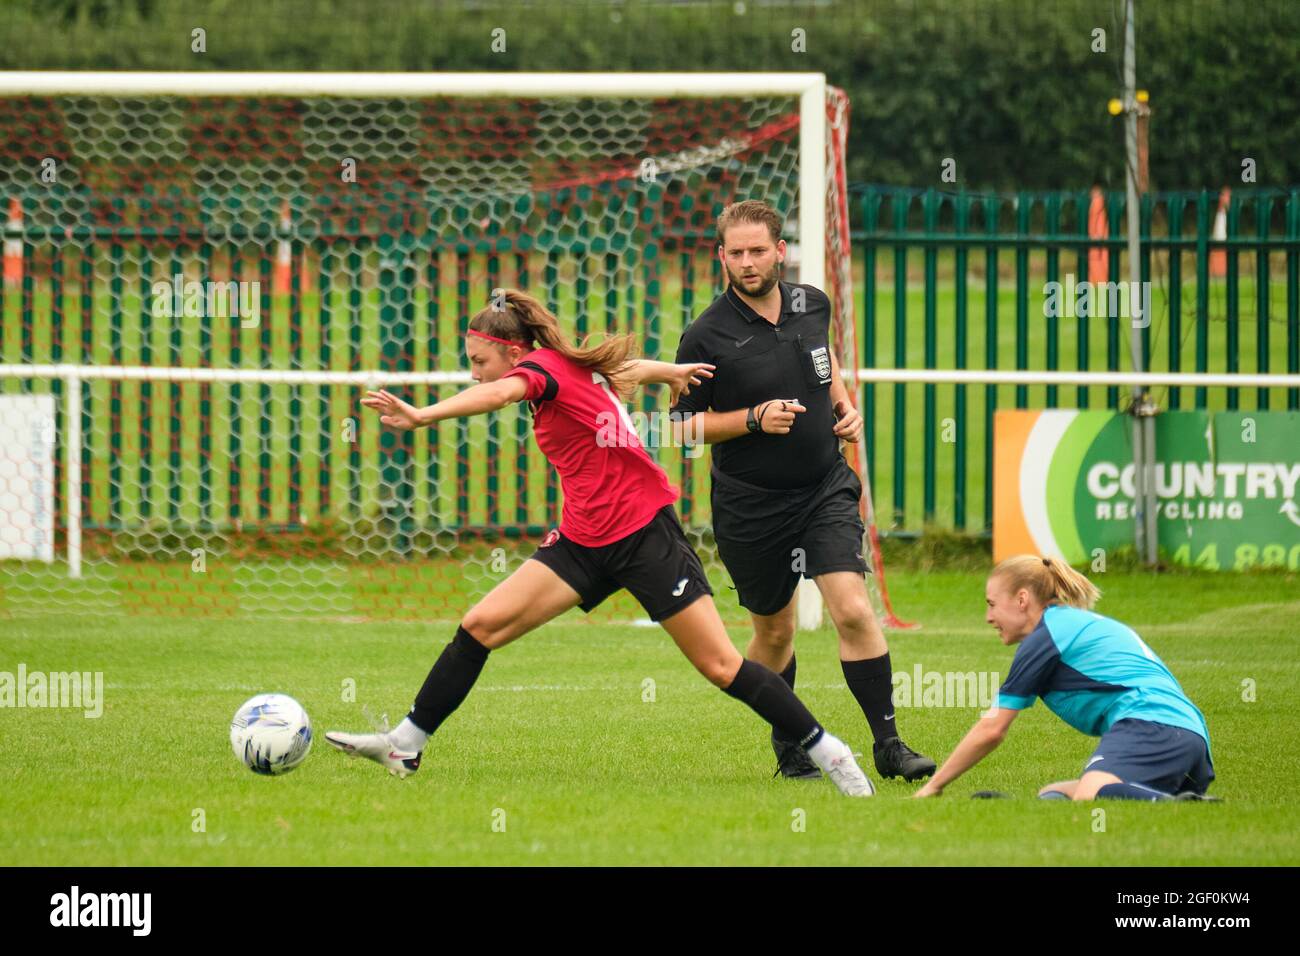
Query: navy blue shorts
point(1167, 758)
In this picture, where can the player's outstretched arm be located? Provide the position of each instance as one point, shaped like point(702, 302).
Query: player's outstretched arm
point(980, 741)
point(485, 397)
point(679, 376)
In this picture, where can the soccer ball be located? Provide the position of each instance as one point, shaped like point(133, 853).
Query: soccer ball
point(271, 734)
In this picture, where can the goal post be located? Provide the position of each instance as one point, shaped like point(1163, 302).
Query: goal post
point(345, 223)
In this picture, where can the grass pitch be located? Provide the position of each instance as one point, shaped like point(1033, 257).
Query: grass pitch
point(560, 757)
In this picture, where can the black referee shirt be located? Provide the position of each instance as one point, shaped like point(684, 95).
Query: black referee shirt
point(757, 361)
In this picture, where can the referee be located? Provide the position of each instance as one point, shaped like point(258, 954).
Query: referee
point(785, 502)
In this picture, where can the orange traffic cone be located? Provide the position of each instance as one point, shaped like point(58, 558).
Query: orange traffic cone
point(13, 274)
point(1098, 228)
point(306, 275)
point(1219, 256)
point(280, 278)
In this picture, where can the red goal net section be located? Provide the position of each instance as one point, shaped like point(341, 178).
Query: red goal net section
point(839, 278)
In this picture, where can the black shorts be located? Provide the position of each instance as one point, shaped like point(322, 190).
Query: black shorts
point(1170, 759)
point(768, 538)
point(657, 564)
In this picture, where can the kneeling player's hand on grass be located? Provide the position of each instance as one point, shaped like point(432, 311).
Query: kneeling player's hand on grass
point(393, 412)
point(849, 426)
point(928, 790)
point(686, 375)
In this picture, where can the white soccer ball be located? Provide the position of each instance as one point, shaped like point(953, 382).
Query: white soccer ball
point(271, 734)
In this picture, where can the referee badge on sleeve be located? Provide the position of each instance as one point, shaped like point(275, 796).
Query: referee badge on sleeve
point(821, 363)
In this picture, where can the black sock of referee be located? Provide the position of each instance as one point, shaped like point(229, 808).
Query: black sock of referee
point(453, 674)
point(787, 675)
point(872, 683)
point(773, 700)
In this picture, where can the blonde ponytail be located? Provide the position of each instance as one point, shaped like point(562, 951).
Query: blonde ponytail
point(1049, 580)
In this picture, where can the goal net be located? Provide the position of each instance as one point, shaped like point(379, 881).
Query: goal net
point(204, 273)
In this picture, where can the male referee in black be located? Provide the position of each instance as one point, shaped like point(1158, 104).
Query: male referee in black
point(785, 502)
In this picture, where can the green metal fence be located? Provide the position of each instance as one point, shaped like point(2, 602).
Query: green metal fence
point(961, 280)
point(288, 458)
point(943, 280)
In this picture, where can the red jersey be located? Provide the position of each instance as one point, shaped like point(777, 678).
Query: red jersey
point(611, 487)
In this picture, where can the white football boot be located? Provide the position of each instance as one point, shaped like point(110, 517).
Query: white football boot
point(842, 767)
point(379, 748)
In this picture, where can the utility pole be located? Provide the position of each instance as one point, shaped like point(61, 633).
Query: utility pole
point(1141, 407)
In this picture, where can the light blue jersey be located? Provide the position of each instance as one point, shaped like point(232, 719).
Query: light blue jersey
point(1091, 671)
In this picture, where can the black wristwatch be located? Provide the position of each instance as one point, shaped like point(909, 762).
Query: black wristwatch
point(750, 421)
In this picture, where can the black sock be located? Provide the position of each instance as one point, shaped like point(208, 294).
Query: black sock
point(872, 683)
point(773, 700)
point(453, 674)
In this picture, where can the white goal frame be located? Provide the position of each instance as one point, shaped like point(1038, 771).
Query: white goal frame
point(810, 88)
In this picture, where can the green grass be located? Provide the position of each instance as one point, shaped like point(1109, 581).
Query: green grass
point(558, 737)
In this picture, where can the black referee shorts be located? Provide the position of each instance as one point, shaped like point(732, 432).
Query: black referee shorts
point(657, 564)
point(768, 538)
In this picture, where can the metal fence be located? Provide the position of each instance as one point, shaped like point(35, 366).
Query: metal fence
point(943, 281)
point(964, 280)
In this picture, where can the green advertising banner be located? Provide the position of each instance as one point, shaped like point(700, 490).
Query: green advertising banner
point(1226, 485)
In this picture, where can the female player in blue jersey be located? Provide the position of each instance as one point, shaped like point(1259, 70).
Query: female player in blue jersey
point(1098, 676)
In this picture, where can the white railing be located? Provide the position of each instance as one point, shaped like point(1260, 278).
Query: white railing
point(74, 375)
point(935, 376)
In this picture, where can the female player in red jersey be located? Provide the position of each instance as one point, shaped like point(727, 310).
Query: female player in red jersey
point(618, 530)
